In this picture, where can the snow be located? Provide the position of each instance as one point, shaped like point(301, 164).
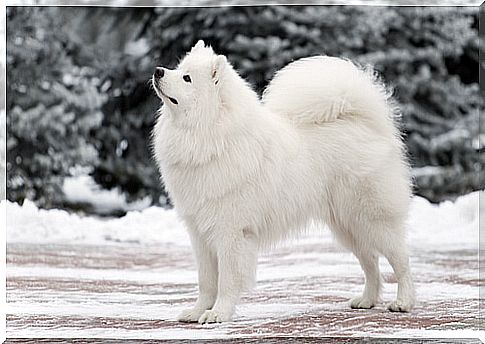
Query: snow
point(446, 226)
point(29, 224)
point(83, 189)
point(449, 225)
point(83, 276)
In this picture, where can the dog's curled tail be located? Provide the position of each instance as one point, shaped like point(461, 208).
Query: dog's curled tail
point(322, 89)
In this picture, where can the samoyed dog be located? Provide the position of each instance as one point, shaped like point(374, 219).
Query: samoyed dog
point(244, 173)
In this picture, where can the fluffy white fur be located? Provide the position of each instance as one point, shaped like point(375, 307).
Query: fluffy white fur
point(244, 173)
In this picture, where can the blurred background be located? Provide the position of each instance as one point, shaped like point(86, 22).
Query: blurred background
point(80, 109)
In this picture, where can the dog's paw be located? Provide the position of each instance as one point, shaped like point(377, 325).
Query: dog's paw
point(362, 303)
point(190, 315)
point(213, 316)
point(401, 306)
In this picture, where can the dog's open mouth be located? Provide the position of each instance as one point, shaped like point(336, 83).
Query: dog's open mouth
point(173, 100)
point(157, 88)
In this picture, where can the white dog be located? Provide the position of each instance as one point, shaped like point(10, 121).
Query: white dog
point(244, 173)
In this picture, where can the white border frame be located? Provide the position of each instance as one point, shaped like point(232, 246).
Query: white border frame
point(160, 3)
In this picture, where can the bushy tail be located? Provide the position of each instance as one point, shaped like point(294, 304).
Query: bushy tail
point(322, 89)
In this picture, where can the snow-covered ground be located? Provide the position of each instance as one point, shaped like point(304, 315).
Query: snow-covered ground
point(449, 225)
point(128, 277)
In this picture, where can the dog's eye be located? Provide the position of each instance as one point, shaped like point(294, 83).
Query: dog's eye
point(187, 78)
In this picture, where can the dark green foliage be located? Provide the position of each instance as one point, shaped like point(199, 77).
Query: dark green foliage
point(429, 55)
point(53, 106)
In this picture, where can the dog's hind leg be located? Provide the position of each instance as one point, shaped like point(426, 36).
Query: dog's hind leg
point(236, 258)
point(207, 275)
point(396, 254)
point(368, 258)
point(369, 261)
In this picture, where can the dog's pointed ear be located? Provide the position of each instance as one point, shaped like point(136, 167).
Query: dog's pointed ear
point(218, 68)
point(200, 44)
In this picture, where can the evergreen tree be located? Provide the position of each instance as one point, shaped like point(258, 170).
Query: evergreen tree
point(428, 55)
point(79, 94)
point(53, 106)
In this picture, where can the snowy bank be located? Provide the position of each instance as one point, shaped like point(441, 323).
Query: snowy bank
point(449, 225)
point(29, 224)
point(83, 189)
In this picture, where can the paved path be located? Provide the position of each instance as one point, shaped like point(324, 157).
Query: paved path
point(135, 291)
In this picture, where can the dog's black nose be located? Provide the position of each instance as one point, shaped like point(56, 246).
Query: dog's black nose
point(159, 73)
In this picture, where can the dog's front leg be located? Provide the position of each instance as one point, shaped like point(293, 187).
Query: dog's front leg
point(237, 256)
point(207, 276)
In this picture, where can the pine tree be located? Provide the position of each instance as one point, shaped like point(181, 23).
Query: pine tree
point(428, 55)
point(77, 81)
point(53, 105)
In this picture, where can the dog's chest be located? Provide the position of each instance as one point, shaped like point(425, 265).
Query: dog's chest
point(197, 169)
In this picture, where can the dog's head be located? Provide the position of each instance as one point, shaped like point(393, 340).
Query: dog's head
point(193, 87)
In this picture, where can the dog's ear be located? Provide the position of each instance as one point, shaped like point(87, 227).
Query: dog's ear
point(218, 68)
point(200, 44)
